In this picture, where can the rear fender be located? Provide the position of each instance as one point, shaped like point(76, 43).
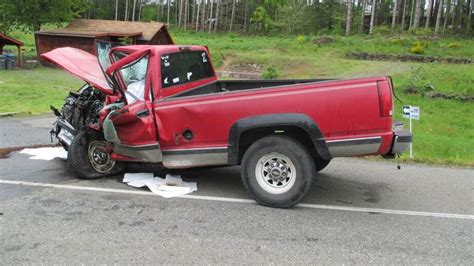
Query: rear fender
point(301, 121)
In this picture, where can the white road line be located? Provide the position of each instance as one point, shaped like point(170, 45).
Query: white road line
point(248, 201)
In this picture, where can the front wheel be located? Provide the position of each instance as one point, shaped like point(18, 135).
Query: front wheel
point(277, 171)
point(88, 157)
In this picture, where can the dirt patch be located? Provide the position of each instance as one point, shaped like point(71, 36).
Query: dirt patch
point(324, 40)
point(250, 68)
point(4, 152)
point(436, 95)
point(406, 58)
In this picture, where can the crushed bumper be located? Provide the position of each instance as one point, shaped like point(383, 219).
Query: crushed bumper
point(64, 131)
point(401, 141)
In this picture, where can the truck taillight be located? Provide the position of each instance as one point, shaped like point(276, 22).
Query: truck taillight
point(385, 98)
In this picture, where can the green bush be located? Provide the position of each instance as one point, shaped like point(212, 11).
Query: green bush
point(271, 72)
point(418, 47)
point(398, 41)
point(382, 30)
point(420, 32)
point(300, 40)
point(454, 45)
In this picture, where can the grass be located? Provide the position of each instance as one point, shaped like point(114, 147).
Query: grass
point(444, 135)
point(33, 91)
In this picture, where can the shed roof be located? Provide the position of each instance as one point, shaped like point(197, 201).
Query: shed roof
point(98, 27)
point(7, 40)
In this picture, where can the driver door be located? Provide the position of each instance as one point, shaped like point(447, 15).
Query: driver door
point(133, 124)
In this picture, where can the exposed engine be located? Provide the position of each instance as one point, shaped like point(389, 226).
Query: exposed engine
point(79, 110)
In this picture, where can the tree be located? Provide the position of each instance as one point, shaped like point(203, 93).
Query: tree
point(394, 14)
point(186, 12)
point(446, 15)
point(428, 14)
point(126, 10)
point(116, 9)
point(261, 19)
point(349, 17)
point(362, 19)
point(197, 16)
point(438, 17)
point(412, 13)
point(232, 15)
point(210, 15)
point(217, 15)
point(404, 14)
point(180, 13)
point(372, 17)
point(469, 26)
point(168, 15)
point(416, 19)
point(30, 15)
point(133, 10)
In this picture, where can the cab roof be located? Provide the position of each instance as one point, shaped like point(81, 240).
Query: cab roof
point(160, 49)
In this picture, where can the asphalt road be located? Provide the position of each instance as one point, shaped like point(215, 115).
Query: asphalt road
point(70, 223)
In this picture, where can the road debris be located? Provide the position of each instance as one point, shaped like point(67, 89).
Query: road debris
point(169, 187)
point(46, 153)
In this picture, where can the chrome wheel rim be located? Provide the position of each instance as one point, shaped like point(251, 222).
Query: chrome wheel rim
point(275, 173)
point(99, 158)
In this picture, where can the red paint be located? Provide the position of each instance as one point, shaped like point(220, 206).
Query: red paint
point(343, 109)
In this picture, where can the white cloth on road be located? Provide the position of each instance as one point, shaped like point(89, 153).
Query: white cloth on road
point(171, 186)
point(47, 153)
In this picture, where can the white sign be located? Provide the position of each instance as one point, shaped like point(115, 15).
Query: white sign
point(412, 112)
point(406, 111)
point(415, 112)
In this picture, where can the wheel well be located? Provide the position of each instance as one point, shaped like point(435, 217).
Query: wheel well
point(248, 137)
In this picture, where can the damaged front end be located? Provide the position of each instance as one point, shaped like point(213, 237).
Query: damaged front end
point(80, 110)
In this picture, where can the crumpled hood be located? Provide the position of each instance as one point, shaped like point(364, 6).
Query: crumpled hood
point(81, 64)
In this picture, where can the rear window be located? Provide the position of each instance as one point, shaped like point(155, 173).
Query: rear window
point(183, 67)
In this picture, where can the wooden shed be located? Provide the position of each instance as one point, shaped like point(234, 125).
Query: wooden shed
point(7, 40)
point(83, 34)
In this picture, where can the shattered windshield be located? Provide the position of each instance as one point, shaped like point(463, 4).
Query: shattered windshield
point(135, 72)
point(103, 49)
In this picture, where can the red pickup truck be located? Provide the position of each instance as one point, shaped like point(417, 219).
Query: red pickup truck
point(165, 105)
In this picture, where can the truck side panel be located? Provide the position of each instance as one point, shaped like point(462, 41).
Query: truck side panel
point(343, 110)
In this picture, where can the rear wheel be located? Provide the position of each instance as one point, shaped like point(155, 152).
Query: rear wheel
point(89, 158)
point(277, 171)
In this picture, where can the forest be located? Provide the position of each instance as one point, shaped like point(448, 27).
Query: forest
point(340, 17)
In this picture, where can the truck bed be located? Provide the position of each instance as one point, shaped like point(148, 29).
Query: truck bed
point(237, 85)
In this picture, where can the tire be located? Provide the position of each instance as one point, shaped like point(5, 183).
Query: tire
point(87, 158)
point(277, 171)
point(320, 164)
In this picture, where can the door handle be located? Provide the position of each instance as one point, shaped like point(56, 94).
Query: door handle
point(143, 113)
